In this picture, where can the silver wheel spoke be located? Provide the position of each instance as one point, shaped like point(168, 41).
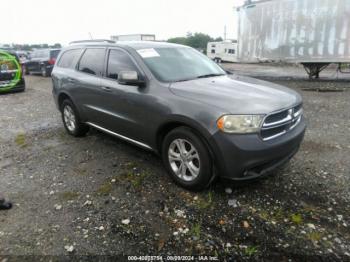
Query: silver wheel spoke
point(174, 156)
point(183, 156)
point(183, 170)
point(193, 169)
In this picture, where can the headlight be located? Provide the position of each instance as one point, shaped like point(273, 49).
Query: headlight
point(240, 123)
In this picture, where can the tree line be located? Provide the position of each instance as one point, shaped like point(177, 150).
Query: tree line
point(196, 40)
point(29, 47)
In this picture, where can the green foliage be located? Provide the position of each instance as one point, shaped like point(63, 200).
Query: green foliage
point(20, 140)
point(314, 236)
point(250, 251)
point(69, 195)
point(196, 40)
point(196, 230)
point(204, 203)
point(104, 189)
point(297, 218)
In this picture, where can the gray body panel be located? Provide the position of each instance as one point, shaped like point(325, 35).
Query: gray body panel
point(298, 31)
point(139, 113)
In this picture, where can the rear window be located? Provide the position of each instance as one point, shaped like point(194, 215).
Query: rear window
point(39, 54)
point(92, 61)
point(70, 58)
point(54, 53)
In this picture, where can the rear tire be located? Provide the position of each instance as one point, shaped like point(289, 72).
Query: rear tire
point(71, 120)
point(44, 71)
point(187, 159)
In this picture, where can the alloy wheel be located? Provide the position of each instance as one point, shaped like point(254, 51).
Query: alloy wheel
point(69, 118)
point(184, 159)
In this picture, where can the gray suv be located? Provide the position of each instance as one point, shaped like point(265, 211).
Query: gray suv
point(175, 101)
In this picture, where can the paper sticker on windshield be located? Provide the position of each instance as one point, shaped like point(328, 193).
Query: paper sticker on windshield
point(147, 53)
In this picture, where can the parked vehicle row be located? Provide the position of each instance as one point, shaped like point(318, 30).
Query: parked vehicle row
point(175, 101)
point(41, 62)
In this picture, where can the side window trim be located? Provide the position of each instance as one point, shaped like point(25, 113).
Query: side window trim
point(133, 60)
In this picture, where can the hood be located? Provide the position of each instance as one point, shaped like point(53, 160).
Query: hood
point(238, 94)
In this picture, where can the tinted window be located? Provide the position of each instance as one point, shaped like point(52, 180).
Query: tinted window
point(119, 61)
point(54, 53)
point(92, 61)
point(70, 58)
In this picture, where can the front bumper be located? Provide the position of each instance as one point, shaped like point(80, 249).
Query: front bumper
point(20, 86)
point(245, 157)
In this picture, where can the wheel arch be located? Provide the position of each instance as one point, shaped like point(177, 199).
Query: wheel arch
point(179, 121)
point(61, 97)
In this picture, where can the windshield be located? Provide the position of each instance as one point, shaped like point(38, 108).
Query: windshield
point(179, 64)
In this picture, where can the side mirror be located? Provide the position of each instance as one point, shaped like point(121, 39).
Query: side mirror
point(130, 78)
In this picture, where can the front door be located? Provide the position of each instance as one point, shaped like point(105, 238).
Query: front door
point(124, 104)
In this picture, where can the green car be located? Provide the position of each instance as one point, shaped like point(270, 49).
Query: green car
point(11, 77)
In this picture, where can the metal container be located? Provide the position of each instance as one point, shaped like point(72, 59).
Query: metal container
point(295, 31)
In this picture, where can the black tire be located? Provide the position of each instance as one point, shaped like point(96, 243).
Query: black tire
point(44, 72)
point(80, 129)
point(205, 174)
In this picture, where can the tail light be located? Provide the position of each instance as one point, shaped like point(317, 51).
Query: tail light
point(52, 61)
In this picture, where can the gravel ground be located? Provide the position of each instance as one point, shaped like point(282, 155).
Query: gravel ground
point(98, 195)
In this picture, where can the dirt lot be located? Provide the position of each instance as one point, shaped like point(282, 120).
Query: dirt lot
point(98, 195)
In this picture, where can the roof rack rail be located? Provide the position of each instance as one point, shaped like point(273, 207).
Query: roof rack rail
point(93, 41)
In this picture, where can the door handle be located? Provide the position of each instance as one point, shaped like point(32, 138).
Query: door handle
point(106, 88)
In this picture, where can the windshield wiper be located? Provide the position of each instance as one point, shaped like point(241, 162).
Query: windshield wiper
point(209, 75)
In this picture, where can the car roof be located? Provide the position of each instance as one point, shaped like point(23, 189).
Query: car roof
point(137, 45)
point(46, 49)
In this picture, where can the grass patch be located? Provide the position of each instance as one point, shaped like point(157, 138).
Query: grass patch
point(80, 172)
point(196, 230)
point(250, 251)
point(136, 180)
point(296, 218)
point(314, 236)
point(204, 203)
point(20, 140)
point(69, 195)
point(104, 189)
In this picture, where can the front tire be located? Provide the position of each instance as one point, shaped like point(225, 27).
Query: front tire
point(187, 159)
point(71, 119)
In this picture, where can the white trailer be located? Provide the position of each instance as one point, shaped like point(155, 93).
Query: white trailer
point(309, 32)
point(133, 37)
point(225, 51)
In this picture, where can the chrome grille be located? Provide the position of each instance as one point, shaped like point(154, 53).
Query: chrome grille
point(279, 123)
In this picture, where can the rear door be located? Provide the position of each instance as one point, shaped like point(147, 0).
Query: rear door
point(87, 89)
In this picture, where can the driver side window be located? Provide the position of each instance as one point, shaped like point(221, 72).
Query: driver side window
point(118, 61)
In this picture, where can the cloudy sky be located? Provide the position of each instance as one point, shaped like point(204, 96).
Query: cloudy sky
point(62, 21)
